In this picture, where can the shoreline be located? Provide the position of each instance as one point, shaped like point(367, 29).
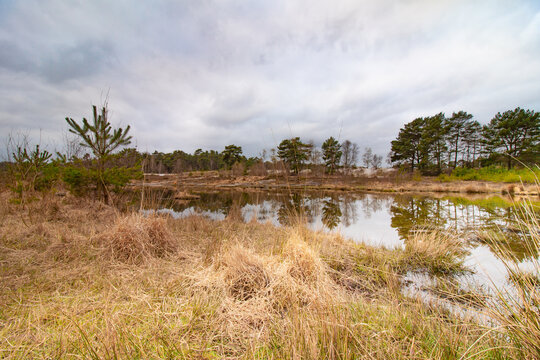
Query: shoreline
point(213, 181)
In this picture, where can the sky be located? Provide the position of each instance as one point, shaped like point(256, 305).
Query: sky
point(205, 74)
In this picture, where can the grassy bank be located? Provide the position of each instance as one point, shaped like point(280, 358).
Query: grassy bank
point(81, 280)
point(494, 174)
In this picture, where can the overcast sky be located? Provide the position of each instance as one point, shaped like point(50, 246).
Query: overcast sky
point(205, 74)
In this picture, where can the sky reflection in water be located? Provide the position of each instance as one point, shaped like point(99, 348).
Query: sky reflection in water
point(377, 219)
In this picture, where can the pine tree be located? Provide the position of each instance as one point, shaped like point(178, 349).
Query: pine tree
point(433, 142)
point(294, 153)
point(406, 148)
point(513, 133)
point(102, 139)
point(457, 126)
point(231, 155)
point(331, 154)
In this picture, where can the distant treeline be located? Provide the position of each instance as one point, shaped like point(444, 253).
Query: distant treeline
point(432, 145)
point(92, 163)
point(292, 154)
point(437, 143)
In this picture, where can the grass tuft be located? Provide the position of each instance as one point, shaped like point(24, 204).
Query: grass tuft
point(135, 238)
point(436, 251)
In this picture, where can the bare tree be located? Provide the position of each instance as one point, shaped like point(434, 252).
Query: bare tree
point(376, 161)
point(72, 146)
point(389, 158)
point(350, 154)
point(367, 157)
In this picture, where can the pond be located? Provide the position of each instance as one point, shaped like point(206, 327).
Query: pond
point(377, 219)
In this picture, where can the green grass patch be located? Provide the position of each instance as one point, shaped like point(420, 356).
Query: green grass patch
point(489, 203)
point(494, 174)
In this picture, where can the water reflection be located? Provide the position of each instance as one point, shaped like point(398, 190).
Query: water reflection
point(385, 219)
point(331, 213)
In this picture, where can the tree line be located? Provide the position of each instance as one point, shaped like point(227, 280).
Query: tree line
point(438, 143)
point(94, 160)
point(97, 159)
point(291, 154)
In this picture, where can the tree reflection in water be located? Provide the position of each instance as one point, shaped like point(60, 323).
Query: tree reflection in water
point(469, 217)
point(413, 213)
point(406, 212)
point(371, 204)
point(349, 210)
point(331, 213)
point(293, 208)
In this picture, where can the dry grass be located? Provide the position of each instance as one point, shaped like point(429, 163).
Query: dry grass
point(135, 238)
point(517, 308)
point(79, 280)
point(437, 251)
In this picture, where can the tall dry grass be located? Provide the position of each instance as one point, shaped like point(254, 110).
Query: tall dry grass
point(439, 251)
point(135, 238)
point(81, 280)
point(516, 308)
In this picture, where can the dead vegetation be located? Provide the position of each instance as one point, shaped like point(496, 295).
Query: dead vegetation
point(438, 251)
point(81, 280)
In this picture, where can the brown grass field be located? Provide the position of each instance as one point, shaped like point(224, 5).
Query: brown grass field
point(80, 279)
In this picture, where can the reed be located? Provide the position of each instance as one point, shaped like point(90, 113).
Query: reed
point(440, 252)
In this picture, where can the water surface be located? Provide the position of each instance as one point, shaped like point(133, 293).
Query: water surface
point(377, 219)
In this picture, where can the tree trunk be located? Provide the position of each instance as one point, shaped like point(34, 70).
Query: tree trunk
point(101, 187)
point(456, 150)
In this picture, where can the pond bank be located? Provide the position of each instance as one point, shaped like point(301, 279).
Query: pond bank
point(214, 180)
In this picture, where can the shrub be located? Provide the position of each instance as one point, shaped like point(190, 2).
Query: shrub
point(78, 179)
point(258, 169)
point(238, 169)
point(49, 175)
point(81, 180)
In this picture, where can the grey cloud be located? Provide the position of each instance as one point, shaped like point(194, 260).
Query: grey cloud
point(13, 57)
point(206, 74)
point(84, 59)
point(79, 61)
